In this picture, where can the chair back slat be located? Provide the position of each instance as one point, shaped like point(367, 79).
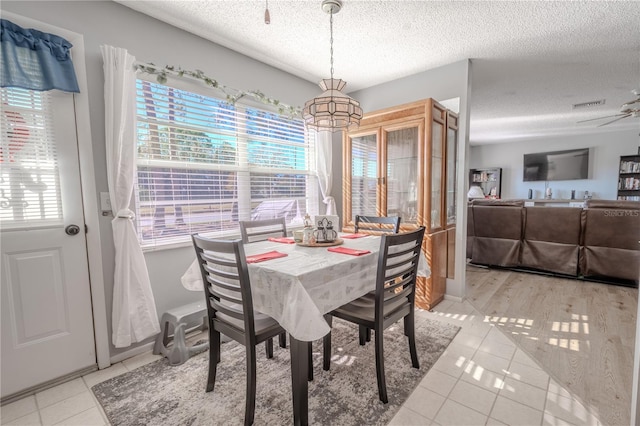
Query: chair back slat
point(223, 284)
point(395, 295)
point(391, 286)
point(223, 266)
point(228, 275)
point(382, 224)
point(260, 230)
point(215, 260)
point(224, 297)
point(227, 310)
point(397, 271)
point(401, 252)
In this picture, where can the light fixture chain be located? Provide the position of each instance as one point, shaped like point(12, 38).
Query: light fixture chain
point(331, 40)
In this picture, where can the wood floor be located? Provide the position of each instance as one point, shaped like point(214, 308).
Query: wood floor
point(581, 333)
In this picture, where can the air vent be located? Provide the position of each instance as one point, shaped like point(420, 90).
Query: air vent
point(589, 104)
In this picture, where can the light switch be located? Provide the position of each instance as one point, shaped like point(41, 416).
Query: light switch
point(105, 202)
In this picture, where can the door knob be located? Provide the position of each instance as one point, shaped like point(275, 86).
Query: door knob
point(72, 230)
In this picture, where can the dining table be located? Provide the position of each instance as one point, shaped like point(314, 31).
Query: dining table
point(299, 288)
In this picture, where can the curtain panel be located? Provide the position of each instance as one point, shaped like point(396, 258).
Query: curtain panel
point(324, 141)
point(134, 316)
point(33, 60)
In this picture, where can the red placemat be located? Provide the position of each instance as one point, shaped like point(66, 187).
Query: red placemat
point(347, 250)
point(353, 236)
point(255, 258)
point(282, 240)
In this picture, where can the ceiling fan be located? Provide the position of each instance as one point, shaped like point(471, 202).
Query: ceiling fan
point(628, 109)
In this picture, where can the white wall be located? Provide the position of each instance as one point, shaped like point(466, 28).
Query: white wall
point(604, 160)
point(107, 22)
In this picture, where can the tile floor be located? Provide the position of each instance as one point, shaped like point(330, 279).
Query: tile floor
point(484, 379)
point(481, 379)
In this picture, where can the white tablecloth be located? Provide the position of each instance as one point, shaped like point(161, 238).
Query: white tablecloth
point(298, 289)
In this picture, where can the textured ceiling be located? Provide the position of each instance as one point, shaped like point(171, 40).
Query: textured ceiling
point(531, 60)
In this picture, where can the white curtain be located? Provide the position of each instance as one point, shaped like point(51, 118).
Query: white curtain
point(134, 316)
point(324, 141)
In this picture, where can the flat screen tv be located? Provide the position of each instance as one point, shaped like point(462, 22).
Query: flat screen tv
point(557, 165)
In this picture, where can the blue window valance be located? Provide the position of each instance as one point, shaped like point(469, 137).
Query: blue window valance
point(31, 59)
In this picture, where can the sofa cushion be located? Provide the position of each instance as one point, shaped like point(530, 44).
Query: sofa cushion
point(552, 239)
point(497, 235)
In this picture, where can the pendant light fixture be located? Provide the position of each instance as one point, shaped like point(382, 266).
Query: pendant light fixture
point(332, 110)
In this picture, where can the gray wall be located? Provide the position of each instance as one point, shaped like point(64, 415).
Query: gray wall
point(446, 82)
point(604, 160)
point(149, 40)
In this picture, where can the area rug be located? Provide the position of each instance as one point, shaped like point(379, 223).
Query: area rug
point(160, 394)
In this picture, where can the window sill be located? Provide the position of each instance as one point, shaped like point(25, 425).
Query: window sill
point(183, 244)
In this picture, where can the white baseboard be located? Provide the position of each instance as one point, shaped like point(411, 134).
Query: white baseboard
point(147, 347)
point(454, 298)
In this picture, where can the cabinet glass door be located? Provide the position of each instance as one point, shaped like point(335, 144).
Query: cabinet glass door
point(402, 173)
point(436, 174)
point(364, 174)
point(452, 158)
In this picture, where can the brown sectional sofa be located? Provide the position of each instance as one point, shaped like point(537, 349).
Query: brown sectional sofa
point(600, 241)
point(610, 239)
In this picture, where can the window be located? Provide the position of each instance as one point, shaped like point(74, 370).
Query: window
point(29, 175)
point(204, 165)
point(364, 173)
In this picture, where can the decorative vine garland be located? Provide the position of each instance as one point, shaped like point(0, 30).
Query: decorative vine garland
point(232, 98)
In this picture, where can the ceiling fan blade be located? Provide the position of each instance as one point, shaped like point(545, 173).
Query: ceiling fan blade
point(600, 118)
point(613, 121)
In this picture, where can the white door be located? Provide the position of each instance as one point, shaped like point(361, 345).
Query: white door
point(47, 323)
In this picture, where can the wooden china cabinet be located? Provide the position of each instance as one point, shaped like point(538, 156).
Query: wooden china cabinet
point(401, 161)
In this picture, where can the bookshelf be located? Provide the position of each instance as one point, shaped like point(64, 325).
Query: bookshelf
point(487, 179)
point(629, 178)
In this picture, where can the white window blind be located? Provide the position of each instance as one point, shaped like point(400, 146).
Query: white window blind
point(364, 173)
point(204, 165)
point(29, 175)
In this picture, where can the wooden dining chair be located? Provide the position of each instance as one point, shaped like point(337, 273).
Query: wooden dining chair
point(392, 300)
point(377, 224)
point(260, 230)
point(230, 309)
